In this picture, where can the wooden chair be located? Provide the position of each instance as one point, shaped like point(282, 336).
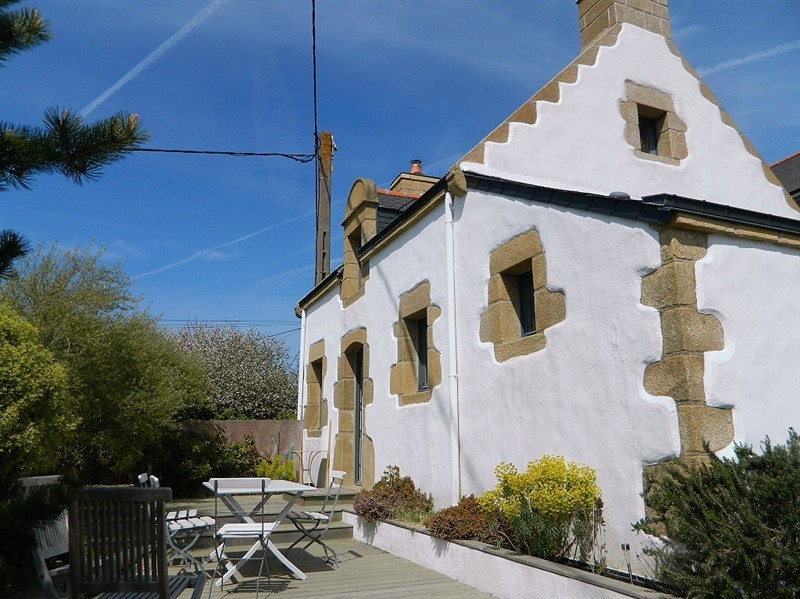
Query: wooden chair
point(52, 543)
point(117, 545)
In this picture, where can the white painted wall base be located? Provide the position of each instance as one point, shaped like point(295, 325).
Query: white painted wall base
point(487, 569)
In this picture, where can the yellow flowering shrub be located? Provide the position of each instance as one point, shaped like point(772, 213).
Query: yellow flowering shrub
point(551, 508)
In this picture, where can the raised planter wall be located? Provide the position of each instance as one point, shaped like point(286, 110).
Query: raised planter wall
point(497, 571)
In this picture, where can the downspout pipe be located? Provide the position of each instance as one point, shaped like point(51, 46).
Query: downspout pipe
point(452, 349)
point(301, 367)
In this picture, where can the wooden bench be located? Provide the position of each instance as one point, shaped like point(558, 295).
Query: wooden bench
point(118, 545)
point(52, 541)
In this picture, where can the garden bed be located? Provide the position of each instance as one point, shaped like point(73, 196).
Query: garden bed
point(501, 572)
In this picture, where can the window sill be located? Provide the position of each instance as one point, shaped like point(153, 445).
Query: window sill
point(519, 347)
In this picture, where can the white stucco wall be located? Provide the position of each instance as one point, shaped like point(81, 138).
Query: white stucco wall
point(754, 290)
point(579, 144)
point(582, 396)
point(413, 437)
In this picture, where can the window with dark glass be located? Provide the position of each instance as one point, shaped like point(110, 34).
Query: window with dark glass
point(651, 122)
point(419, 333)
point(524, 303)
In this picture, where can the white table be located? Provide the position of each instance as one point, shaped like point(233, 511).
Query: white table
point(229, 488)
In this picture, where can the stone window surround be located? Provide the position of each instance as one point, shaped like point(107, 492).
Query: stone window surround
point(316, 411)
point(344, 402)
point(403, 380)
point(654, 104)
point(499, 321)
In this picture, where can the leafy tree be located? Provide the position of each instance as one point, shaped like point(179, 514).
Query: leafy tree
point(729, 527)
point(126, 376)
point(36, 411)
point(249, 373)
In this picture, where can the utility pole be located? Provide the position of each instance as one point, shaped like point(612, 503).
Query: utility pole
point(324, 168)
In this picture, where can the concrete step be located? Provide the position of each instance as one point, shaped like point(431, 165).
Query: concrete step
point(314, 499)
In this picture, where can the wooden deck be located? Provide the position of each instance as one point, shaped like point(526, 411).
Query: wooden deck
point(363, 572)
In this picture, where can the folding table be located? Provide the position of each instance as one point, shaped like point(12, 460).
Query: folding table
point(227, 491)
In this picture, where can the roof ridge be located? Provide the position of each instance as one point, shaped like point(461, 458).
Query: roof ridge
point(782, 160)
point(400, 194)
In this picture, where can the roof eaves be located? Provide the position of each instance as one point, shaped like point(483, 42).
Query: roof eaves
point(656, 209)
point(319, 289)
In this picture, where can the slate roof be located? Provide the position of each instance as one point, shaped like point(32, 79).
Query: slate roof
point(788, 172)
point(391, 205)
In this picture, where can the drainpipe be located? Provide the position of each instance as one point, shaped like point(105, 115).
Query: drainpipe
point(301, 366)
point(452, 346)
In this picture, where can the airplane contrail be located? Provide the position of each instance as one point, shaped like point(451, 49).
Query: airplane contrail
point(153, 56)
point(754, 57)
point(208, 250)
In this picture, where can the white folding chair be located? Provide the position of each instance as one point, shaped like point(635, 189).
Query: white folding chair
point(184, 529)
point(258, 529)
point(315, 525)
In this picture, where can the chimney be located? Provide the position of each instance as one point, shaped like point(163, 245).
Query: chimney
point(416, 167)
point(596, 16)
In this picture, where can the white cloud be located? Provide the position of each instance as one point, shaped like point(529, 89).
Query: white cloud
point(153, 56)
point(754, 57)
point(211, 253)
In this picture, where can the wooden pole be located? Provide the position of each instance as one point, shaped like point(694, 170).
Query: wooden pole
point(324, 167)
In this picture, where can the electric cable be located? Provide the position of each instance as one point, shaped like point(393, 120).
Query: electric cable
point(303, 158)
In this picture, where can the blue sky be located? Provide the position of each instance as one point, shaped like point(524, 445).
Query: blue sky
point(221, 238)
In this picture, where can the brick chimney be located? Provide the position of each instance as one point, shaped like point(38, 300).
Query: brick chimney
point(596, 16)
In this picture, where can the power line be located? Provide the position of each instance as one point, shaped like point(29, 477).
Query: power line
point(228, 320)
point(314, 70)
point(303, 158)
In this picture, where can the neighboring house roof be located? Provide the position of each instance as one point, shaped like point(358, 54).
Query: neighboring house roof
point(392, 204)
point(788, 173)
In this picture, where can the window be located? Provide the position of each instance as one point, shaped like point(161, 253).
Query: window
point(524, 303)
point(648, 134)
point(316, 409)
point(520, 306)
point(316, 368)
point(418, 370)
point(652, 127)
point(419, 330)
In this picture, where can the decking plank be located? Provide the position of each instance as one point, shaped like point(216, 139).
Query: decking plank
point(364, 572)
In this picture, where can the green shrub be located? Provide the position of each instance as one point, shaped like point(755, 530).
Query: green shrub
point(729, 527)
point(551, 510)
point(191, 455)
point(276, 467)
point(36, 411)
point(393, 496)
point(467, 521)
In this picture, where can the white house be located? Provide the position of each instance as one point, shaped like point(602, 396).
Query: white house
point(611, 275)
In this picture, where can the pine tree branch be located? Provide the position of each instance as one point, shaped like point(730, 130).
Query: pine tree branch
point(65, 145)
point(20, 30)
